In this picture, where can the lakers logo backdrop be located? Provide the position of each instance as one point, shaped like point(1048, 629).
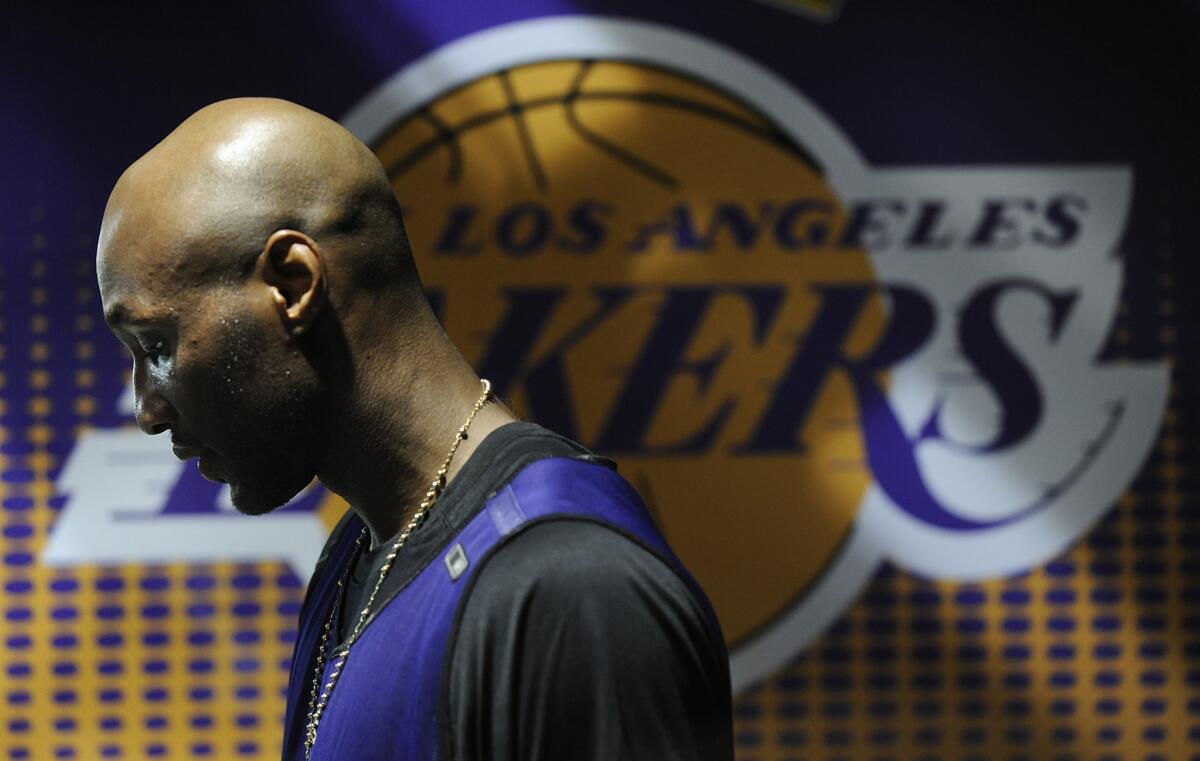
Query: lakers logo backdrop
point(805, 365)
point(876, 306)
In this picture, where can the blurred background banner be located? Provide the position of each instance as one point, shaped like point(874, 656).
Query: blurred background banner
point(880, 306)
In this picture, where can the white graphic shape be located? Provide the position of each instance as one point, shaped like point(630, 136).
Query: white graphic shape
point(1097, 422)
point(117, 482)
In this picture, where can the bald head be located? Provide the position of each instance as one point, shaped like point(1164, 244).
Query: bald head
point(255, 265)
point(211, 194)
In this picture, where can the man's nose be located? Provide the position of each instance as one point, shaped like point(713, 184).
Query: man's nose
point(153, 413)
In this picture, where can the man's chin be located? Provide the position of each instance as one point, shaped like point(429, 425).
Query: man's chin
point(248, 505)
point(250, 501)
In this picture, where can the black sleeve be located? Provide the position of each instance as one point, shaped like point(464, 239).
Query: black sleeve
point(576, 643)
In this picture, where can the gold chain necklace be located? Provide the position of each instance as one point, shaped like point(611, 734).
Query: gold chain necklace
point(319, 698)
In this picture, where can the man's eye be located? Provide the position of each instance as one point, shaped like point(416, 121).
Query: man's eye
point(155, 351)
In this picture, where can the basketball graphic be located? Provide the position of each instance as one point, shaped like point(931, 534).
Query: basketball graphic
point(620, 249)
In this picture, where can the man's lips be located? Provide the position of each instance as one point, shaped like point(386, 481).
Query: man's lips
point(209, 469)
point(205, 463)
point(185, 452)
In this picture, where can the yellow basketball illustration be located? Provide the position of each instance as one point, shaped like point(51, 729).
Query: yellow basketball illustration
point(634, 255)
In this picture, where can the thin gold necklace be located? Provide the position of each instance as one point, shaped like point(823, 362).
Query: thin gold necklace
point(319, 698)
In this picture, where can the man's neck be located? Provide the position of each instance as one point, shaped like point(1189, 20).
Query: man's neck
point(393, 436)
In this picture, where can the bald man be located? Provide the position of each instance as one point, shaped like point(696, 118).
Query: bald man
point(495, 591)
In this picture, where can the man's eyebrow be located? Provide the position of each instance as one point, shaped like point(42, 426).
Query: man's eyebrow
point(119, 314)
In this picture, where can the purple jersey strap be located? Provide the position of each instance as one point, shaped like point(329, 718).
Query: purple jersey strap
point(386, 705)
point(321, 593)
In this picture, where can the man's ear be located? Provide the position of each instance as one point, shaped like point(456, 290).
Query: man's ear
point(292, 266)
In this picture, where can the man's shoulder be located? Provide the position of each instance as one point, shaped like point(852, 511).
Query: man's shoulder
point(570, 522)
point(554, 567)
point(572, 550)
